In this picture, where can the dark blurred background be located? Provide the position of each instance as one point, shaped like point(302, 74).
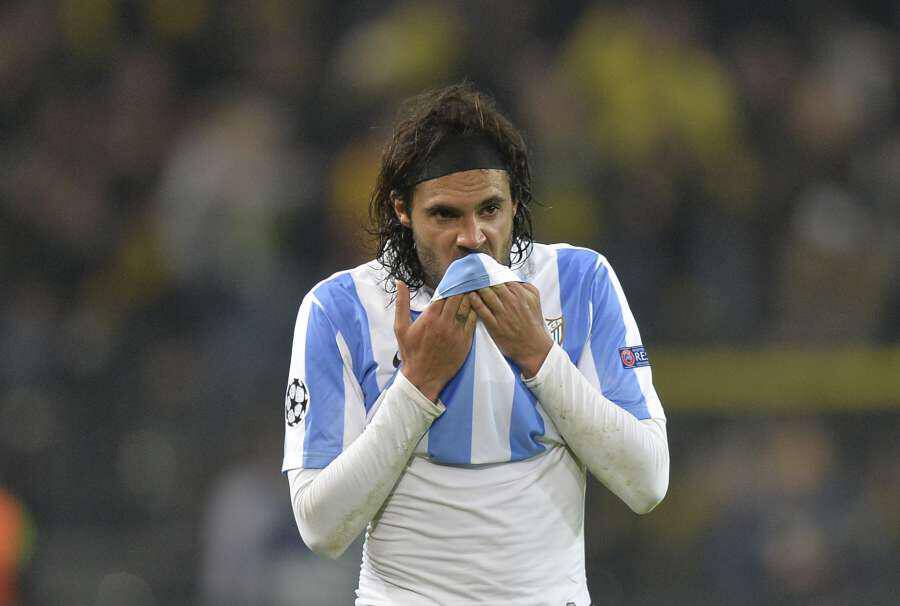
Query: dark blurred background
point(175, 174)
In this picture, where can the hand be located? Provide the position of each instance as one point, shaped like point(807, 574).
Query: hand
point(434, 346)
point(512, 314)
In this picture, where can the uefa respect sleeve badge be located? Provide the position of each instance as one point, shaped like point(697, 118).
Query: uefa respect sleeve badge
point(633, 357)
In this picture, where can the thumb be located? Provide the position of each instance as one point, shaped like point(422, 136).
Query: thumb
point(401, 311)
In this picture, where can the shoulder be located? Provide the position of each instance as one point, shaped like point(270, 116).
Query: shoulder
point(350, 290)
point(349, 281)
point(572, 263)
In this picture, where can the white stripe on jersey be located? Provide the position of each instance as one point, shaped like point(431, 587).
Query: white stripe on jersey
point(492, 409)
point(354, 421)
point(293, 440)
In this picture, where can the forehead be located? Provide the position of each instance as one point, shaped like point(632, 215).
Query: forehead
point(470, 186)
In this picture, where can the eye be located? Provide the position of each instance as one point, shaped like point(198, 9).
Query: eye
point(443, 213)
point(491, 209)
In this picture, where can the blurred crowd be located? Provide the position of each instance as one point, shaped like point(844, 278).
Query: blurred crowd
point(175, 175)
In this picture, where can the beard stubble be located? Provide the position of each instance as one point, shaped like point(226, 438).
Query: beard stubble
point(431, 265)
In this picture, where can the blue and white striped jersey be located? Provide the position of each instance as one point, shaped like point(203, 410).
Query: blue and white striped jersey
point(345, 356)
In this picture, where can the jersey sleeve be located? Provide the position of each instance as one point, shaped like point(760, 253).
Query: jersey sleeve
point(615, 356)
point(323, 402)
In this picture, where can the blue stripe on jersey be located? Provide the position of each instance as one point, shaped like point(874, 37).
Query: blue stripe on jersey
point(324, 375)
point(463, 275)
point(450, 436)
point(526, 423)
point(345, 309)
point(620, 384)
point(576, 267)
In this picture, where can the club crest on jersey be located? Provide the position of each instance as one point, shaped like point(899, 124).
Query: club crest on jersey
point(634, 357)
point(555, 326)
point(295, 401)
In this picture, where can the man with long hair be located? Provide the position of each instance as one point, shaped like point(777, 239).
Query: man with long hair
point(450, 396)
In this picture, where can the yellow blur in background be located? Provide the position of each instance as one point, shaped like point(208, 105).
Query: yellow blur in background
point(174, 176)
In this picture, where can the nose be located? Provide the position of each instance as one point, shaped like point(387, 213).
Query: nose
point(470, 235)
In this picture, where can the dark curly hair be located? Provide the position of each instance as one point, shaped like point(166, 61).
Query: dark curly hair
point(424, 122)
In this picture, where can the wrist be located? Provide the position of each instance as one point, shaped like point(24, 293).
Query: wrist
point(431, 408)
point(532, 364)
point(431, 389)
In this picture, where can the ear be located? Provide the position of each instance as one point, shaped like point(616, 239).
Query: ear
point(400, 210)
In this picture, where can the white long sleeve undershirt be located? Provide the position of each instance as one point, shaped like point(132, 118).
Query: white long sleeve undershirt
point(629, 456)
point(332, 506)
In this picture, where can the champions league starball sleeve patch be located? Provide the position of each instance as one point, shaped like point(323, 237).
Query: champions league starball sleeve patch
point(295, 402)
point(633, 357)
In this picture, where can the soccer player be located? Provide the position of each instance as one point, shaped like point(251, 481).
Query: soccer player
point(458, 429)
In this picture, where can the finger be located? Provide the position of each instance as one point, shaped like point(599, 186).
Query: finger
point(465, 307)
point(451, 306)
point(434, 308)
point(510, 299)
point(525, 293)
point(482, 310)
point(503, 291)
point(530, 288)
point(402, 318)
point(512, 289)
point(529, 291)
point(471, 320)
point(490, 298)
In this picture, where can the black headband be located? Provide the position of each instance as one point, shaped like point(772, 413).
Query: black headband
point(459, 153)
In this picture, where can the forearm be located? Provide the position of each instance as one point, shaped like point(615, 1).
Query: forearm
point(333, 505)
point(629, 456)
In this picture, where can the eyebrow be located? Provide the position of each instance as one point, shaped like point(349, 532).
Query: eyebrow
point(439, 207)
point(491, 200)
